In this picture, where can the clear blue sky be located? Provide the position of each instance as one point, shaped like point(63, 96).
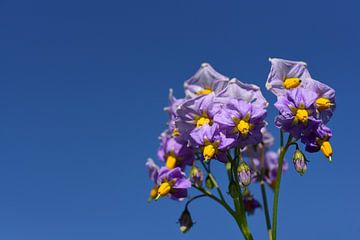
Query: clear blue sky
point(82, 87)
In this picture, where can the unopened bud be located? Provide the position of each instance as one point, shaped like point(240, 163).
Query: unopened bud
point(299, 162)
point(185, 221)
point(209, 183)
point(234, 189)
point(196, 176)
point(244, 174)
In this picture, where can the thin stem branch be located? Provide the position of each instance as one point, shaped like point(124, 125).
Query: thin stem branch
point(266, 209)
point(238, 202)
point(263, 191)
point(194, 198)
point(283, 151)
point(214, 181)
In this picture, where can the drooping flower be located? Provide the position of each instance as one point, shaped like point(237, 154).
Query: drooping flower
point(319, 140)
point(173, 183)
point(206, 80)
point(325, 102)
point(271, 164)
point(185, 221)
point(250, 203)
point(286, 74)
point(238, 90)
point(242, 120)
point(297, 112)
point(212, 142)
point(174, 152)
point(196, 112)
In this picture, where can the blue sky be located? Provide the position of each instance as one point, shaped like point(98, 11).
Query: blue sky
point(82, 87)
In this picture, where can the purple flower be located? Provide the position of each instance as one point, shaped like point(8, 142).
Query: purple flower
point(297, 112)
point(206, 80)
point(271, 163)
point(174, 152)
point(212, 142)
point(267, 138)
point(194, 113)
point(249, 93)
point(250, 203)
point(242, 120)
point(173, 183)
point(285, 75)
point(153, 171)
point(174, 104)
point(325, 102)
point(319, 140)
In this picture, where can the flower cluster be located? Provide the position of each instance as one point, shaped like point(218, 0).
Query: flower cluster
point(222, 119)
point(217, 114)
point(305, 105)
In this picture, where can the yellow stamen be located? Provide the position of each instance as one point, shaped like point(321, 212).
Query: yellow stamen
point(204, 91)
point(302, 115)
point(291, 83)
point(154, 192)
point(164, 189)
point(209, 151)
point(243, 127)
point(323, 103)
point(171, 161)
point(326, 149)
point(175, 133)
point(202, 120)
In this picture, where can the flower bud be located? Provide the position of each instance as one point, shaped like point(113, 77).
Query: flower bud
point(234, 189)
point(185, 221)
point(244, 174)
point(299, 162)
point(196, 176)
point(209, 182)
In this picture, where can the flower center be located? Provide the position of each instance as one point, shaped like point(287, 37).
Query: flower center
point(243, 127)
point(209, 151)
point(202, 120)
point(171, 161)
point(291, 83)
point(323, 103)
point(164, 188)
point(302, 115)
point(175, 132)
point(204, 91)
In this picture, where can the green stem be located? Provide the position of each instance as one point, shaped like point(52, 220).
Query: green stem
point(283, 151)
point(263, 191)
point(240, 216)
point(194, 198)
point(214, 181)
point(266, 209)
